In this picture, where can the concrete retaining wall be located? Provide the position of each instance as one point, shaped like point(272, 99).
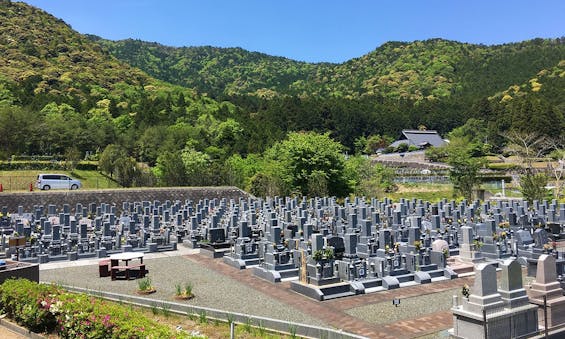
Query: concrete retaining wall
point(19, 270)
point(114, 196)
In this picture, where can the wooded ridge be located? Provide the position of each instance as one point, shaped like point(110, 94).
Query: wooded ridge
point(64, 93)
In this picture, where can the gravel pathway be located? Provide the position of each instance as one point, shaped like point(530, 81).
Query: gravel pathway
point(210, 288)
point(412, 307)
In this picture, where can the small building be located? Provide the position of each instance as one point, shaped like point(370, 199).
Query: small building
point(419, 138)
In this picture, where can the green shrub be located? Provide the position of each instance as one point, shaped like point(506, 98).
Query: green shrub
point(178, 289)
point(47, 308)
point(188, 289)
point(45, 166)
point(144, 284)
point(318, 255)
point(30, 304)
point(202, 318)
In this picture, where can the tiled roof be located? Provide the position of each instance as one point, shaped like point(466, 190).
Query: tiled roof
point(422, 138)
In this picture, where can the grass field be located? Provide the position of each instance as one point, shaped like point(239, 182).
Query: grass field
point(14, 181)
point(424, 191)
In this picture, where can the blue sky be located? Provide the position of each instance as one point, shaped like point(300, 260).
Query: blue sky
point(311, 30)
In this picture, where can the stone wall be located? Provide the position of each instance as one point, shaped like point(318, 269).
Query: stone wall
point(15, 269)
point(114, 196)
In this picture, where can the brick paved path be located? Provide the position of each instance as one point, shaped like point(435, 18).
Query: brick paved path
point(332, 312)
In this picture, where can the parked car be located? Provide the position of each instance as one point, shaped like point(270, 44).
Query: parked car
point(57, 181)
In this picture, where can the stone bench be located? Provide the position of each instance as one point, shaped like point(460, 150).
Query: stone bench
point(136, 271)
point(104, 268)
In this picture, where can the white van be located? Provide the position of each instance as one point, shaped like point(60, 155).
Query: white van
point(57, 181)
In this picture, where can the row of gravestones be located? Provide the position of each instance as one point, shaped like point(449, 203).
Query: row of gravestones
point(507, 309)
point(287, 238)
point(48, 234)
point(365, 245)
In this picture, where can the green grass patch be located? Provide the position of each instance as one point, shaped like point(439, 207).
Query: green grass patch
point(19, 180)
point(492, 159)
point(424, 191)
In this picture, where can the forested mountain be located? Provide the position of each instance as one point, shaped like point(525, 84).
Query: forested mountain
point(60, 91)
point(196, 115)
point(436, 83)
point(212, 70)
point(420, 70)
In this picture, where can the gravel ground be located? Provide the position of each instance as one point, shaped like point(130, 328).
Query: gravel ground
point(211, 289)
point(385, 312)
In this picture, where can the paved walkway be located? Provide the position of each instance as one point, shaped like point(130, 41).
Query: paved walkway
point(333, 311)
point(5, 333)
point(181, 250)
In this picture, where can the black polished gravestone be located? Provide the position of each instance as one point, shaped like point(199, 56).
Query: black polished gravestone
point(554, 229)
point(540, 238)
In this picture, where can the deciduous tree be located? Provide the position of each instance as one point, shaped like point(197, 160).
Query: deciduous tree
point(302, 154)
point(464, 171)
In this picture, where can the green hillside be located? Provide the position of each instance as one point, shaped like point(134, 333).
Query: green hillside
point(420, 70)
point(42, 56)
point(213, 70)
point(436, 83)
point(209, 116)
point(60, 92)
point(435, 69)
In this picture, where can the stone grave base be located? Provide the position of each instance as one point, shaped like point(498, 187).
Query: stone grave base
point(275, 276)
point(190, 243)
point(214, 253)
point(390, 282)
point(240, 264)
point(372, 285)
point(555, 311)
point(325, 292)
point(518, 322)
point(459, 267)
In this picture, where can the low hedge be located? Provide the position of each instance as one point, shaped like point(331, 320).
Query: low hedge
point(44, 165)
point(48, 308)
point(503, 166)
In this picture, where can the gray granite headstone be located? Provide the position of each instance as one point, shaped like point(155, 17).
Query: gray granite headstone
point(350, 241)
point(83, 231)
point(56, 232)
point(73, 227)
point(317, 242)
point(276, 234)
point(524, 238)
point(511, 277)
point(467, 233)
point(366, 228)
point(485, 280)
